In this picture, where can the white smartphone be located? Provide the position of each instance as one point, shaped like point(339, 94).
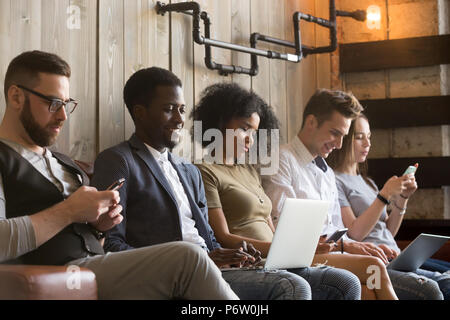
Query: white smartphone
point(410, 169)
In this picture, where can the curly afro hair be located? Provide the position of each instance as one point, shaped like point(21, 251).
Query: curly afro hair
point(223, 102)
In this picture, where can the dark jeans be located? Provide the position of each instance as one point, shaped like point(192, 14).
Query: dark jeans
point(329, 283)
point(436, 265)
point(267, 285)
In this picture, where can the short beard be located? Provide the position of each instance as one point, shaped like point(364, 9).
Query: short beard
point(174, 140)
point(34, 130)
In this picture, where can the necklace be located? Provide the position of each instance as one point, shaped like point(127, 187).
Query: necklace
point(261, 200)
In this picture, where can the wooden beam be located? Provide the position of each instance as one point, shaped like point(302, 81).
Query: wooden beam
point(433, 172)
point(399, 53)
point(407, 112)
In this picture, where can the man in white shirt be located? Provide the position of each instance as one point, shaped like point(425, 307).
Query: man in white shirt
point(304, 174)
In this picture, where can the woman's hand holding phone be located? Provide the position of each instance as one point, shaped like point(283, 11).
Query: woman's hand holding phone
point(411, 184)
point(404, 185)
point(394, 186)
point(411, 169)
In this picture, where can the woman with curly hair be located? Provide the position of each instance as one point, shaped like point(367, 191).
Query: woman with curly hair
point(238, 208)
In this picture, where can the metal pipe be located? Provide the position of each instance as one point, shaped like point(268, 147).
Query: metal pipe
point(210, 64)
point(208, 42)
point(280, 42)
point(310, 18)
point(359, 15)
point(236, 47)
point(183, 7)
point(331, 25)
point(226, 45)
point(300, 50)
point(198, 38)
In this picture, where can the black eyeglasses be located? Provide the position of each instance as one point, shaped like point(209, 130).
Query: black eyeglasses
point(55, 104)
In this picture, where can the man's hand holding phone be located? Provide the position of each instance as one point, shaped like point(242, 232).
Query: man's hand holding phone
point(329, 244)
point(116, 184)
point(87, 204)
point(113, 217)
point(323, 246)
point(337, 235)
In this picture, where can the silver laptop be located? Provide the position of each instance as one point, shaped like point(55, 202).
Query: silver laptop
point(415, 254)
point(295, 240)
point(296, 236)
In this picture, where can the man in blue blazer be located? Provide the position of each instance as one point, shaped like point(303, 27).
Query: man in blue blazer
point(163, 197)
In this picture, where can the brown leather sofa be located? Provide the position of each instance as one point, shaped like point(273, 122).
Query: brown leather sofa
point(51, 282)
point(27, 282)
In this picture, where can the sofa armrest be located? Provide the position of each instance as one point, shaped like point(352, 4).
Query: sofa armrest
point(27, 282)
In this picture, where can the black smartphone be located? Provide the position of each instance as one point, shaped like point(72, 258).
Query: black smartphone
point(338, 234)
point(117, 184)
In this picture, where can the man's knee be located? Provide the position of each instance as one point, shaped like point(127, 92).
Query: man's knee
point(344, 283)
point(190, 253)
point(190, 248)
point(294, 287)
point(428, 287)
point(432, 288)
point(195, 257)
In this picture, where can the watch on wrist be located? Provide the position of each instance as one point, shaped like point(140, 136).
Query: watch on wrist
point(97, 234)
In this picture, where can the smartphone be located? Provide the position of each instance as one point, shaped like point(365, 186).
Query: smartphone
point(411, 169)
point(338, 234)
point(117, 184)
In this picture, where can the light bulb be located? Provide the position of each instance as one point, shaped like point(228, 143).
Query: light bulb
point(373, 17)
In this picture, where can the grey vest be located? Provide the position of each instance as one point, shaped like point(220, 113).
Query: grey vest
point(27, 192)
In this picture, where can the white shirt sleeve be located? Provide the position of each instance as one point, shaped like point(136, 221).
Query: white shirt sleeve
point(17, 235)
point(278, 187)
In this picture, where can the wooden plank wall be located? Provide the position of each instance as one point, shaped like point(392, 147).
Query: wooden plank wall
point(118, 37)
point(402, 21)
point(42, 24)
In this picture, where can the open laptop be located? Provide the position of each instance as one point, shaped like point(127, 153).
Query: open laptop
point(415, 254)
point(295, 240)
